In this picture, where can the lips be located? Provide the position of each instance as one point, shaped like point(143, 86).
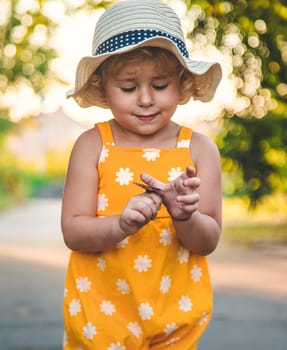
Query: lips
point(147, 118)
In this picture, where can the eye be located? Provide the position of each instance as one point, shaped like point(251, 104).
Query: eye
point(160, 87)
point(128, 89)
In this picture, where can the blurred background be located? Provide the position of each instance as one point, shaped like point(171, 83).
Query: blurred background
point(41, 42)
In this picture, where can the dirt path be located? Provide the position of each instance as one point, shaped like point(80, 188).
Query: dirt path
point(250, 299)
point(32, 232)
point(263, 272)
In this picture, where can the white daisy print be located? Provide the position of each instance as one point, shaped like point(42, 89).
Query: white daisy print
point(183, 143)
point(123, 243)
point(124, 176)
point(196, 273)
point(182, 255)
point(103, 202)
point(165, 237)
point(185, 303)
point(123, 286)
point(142, 263)
point(83, 284)
point(151, 154)
point(203, 319)
point(107, 307)
point(74, 307)
point(89, 330)
point(165, 284)
point(101, 264)
point(174, 173)
point(116, 346)
point(145, 311)
point(65, 292)
point(135, 329)
point(104, 154)
point(169, 328)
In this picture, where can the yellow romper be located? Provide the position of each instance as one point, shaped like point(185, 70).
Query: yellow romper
point(147, 292)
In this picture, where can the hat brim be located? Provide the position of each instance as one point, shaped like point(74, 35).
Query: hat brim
point(207, 75)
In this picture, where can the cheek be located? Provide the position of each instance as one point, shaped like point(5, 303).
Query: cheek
point(118, 101)
point(172, 98)
point(112, 96)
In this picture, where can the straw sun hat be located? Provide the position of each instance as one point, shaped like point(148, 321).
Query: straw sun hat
point(131, 24)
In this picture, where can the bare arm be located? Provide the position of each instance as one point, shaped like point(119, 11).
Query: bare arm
point(194, 202)
point(82, 230)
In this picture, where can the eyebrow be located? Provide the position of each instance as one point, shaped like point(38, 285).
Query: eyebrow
point(129, 78)
point(125, 80)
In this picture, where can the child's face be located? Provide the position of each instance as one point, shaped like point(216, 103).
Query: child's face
point(141, 98)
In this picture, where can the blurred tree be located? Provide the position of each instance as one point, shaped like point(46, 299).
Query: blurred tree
point(26, 54)
point(254, 140)
point(5, 124)
point(254, 33)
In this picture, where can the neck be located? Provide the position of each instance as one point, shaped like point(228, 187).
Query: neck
point(166, 137)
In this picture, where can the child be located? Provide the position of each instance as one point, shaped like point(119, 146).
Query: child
point(138, 275)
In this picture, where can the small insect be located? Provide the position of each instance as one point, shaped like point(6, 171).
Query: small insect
point(148, 188)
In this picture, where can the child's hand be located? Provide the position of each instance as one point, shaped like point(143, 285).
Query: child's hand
point(139, 211)
point(179, 196)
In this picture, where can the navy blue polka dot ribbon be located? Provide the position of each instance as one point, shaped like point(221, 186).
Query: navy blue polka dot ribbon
point(134, 37)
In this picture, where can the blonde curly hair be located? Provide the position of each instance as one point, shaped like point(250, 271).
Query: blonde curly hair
point(165, 61)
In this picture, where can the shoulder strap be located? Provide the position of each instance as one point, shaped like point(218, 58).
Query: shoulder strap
point(184, 137)
point(106, 133)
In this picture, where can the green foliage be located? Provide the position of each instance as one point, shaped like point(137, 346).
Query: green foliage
point(88, 5)
point(254, 33)
point(260, 26)
point(248, 142)
point(5, 124)
point(17, 184)
point(253, 140)
point(25, 54)
point(10, 186)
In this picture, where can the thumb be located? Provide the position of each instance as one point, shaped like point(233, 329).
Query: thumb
point(190, 171)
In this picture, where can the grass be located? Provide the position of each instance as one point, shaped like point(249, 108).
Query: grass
point(263, 226)
point(255, 234)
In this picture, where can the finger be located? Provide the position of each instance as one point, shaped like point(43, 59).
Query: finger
point(157, 200)
point(193, 182)
point(191, 208)
point(137, 216)
point(131, 221)
point(188, 199)
point(156, 203)
point(151, 181)
point(148, 206)
point(179, 186)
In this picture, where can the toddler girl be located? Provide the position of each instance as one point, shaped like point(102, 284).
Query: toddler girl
point(142, 200)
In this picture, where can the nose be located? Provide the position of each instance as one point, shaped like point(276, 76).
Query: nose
point(145, 97)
